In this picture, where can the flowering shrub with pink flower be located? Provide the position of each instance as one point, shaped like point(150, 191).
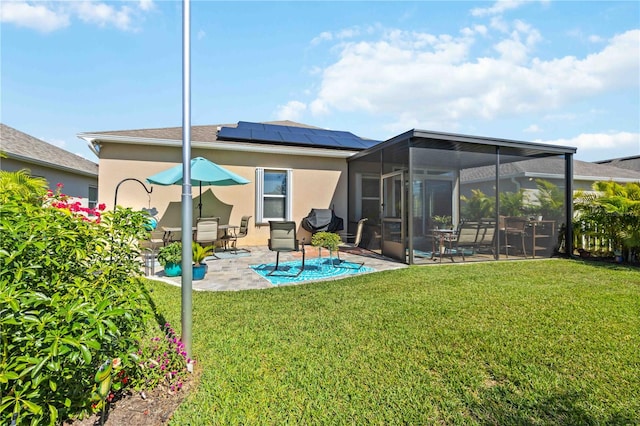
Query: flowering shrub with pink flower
point(62, 201)
point(163, 361)
point(71, 299)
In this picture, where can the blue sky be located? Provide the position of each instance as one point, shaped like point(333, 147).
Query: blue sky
point(561, 72)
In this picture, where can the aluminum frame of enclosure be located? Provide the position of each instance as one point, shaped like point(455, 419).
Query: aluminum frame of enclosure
point(446, 173)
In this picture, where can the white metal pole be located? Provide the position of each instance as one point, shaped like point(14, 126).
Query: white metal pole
point(187, 199)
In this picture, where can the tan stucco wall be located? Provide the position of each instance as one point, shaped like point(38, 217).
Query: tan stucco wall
point(317, 183)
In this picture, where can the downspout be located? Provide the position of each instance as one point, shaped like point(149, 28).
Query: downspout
point(516, 184)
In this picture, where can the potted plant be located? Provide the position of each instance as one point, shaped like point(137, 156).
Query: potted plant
point(170, 257)
point(441, 222)
point(199, 254)
point(328, 240)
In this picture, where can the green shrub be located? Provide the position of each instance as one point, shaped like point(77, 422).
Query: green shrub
point(70, 300)
point(610, 217)
point(329, 240)
point(200, 253)
point(171, 253)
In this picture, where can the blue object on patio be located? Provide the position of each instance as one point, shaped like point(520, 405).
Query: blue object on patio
point(199, 271)
point(173, 269)
point(314, 269)
point(203, 172)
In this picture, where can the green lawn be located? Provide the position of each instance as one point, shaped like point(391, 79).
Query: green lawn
point(538, 342)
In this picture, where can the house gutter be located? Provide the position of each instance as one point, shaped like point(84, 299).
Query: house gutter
point(94, 141)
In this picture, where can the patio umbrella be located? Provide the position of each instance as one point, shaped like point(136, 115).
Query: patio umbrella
point(203, 172)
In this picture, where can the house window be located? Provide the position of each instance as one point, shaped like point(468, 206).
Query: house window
point(273, 194)
point(93, 197)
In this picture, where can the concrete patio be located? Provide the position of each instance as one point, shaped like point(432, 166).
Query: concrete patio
point(232, 272)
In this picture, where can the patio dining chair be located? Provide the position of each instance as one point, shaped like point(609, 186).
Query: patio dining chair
point(232, 238)
point(357, 239)
point(207, 231)
point(282, 238)
point(487, 236)
point(515, 226)
point(466, 237)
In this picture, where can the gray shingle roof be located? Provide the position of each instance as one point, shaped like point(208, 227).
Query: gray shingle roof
point(207, 133)
point(631, 163)
point(19, 145)
point(551, 166)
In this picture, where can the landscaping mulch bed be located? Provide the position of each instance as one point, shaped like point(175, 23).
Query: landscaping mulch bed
point(154, 409)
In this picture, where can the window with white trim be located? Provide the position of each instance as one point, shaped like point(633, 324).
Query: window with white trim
point(93, 197)
point(273, 194)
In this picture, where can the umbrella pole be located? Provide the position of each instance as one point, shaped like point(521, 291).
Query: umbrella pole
point(200, 201)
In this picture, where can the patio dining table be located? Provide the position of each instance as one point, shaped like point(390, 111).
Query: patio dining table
point(168, 235)
point(442, 237)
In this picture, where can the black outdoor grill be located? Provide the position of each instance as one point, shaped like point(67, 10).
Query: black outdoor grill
point(322, 220)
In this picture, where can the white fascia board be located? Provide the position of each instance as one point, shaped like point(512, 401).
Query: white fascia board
point(94, 140)
point(605, 178)
point(580, 177)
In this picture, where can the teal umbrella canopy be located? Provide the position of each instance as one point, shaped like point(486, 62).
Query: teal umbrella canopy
point(203, 172)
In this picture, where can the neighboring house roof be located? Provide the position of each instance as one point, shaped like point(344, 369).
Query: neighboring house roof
point(237, 139)
point(631, 163)
point(551, 168)
point(21, 146)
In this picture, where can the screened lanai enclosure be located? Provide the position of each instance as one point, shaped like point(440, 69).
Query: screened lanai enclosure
point(439, 197)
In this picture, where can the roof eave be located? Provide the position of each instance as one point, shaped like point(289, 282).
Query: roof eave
point(453, 137)
point(493, 141)
point(95, 141)
point(605, 178)
point(51, 165)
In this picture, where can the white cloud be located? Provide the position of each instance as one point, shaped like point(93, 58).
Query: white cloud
point(346, 33)
point(201, 34)
point(534, 128)
point(498, 8)
point(146, 5)
point(324, 36)
point(416, 75)
point(600, 141)
point(51, 16)
point(497, 23)
point(293, 110)
point(37, 16)
point(102, 14)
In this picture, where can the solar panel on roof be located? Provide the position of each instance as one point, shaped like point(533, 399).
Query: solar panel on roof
point(267, 135)
point(293, 129)
point(249, 125)
point(326, 141)
point(260, 132)
point(234, 133)
point(298, 138)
